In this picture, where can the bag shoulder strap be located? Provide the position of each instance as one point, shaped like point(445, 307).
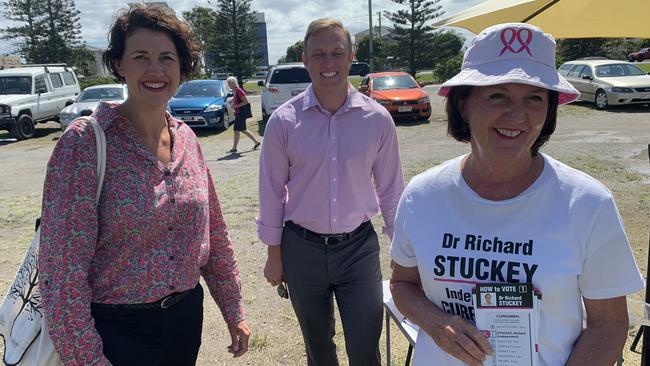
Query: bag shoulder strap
point(100, 139)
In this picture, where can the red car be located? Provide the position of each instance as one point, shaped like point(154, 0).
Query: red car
point(643, 54)
point(399, 93)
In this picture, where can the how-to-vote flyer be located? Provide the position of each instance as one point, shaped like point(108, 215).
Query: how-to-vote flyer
point(508, 316)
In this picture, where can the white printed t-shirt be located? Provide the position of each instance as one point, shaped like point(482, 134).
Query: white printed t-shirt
point(564, 234)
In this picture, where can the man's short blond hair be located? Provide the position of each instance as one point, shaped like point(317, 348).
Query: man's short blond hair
point(319, 25)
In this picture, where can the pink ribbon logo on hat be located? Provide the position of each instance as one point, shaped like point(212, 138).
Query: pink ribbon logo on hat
point(516, 35)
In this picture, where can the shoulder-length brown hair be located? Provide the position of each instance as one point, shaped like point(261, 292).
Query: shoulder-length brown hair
point(458, 128)
point(157, 19)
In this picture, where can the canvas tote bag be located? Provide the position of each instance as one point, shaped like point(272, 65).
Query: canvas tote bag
point(22, 325)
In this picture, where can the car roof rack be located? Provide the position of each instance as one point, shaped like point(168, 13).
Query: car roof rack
point(45, 66)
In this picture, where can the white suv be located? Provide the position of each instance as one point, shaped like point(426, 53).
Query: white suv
point(34, 93)
point(282, 83)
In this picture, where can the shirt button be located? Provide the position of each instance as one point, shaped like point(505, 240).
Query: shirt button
point(333, 199)
point(334, 158)
point(170, 228)
point(171, 257)
point(167, 172)
point(334, 220)
point(334, 179)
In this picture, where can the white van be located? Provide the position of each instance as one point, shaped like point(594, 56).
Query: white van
point(34, 93)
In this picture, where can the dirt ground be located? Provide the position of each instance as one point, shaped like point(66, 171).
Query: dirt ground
point(610, 145)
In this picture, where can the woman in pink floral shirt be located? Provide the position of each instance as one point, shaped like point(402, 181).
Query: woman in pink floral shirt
point(120, 281)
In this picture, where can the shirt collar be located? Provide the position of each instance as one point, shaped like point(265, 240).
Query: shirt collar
point(354, 99)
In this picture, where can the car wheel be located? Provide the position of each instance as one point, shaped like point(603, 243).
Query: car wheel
point(24, 128)
point(601, 99)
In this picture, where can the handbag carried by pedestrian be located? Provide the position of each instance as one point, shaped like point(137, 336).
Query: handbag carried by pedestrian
point(22, 325)
point(246, 111)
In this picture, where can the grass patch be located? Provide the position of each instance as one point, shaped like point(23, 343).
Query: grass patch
point(259, 342)
point(644, 67)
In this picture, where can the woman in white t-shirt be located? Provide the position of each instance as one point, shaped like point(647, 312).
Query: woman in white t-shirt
point(506, 213)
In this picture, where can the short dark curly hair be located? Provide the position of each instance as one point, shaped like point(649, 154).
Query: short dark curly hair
point(458, 128)
point(158, 19)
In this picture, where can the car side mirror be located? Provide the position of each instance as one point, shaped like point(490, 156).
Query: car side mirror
point(69, 102)
point(41, 90)
point(260, 83)
point(587, 77)
point(363, 88)
point(229, 95)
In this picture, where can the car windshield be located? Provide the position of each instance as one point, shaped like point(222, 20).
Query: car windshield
point(15, 85)
point(294, 75)
point(199, 90)
point(93, 95)
point(617, 70)
point(394, 82)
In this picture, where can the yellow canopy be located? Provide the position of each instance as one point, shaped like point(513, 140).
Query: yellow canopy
point(561, 18)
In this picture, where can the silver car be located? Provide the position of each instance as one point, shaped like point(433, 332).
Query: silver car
point(608, 82)
point(89, 99)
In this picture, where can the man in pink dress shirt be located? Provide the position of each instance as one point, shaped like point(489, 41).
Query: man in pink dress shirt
point(329, 163)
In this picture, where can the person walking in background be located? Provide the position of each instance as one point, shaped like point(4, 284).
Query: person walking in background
point(507, 213)
point(329, 162)
point(120, 280)
point(242, 112)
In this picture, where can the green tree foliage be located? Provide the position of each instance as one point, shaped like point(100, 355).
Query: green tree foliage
point(28, 30)
point(445, 45)
point(378, 52)
point(203, 21)
point(612, 48)
point(294, 53)
point(235, 37)
point(446, 69)
point(412, 35)
point(45, 31)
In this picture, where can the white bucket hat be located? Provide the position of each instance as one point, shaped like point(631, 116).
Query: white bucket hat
point(512, 53)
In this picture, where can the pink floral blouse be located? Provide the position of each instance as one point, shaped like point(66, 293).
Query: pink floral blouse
point(157, 228)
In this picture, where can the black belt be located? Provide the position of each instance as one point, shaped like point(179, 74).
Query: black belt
point(326, 238)
point(164, 303)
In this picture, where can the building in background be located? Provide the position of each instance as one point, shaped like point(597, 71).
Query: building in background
point(9, 61)
point(97, 68)
point(262, 42)
point(382, 31)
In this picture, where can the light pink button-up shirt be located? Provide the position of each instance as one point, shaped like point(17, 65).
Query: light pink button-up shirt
point(328, 173)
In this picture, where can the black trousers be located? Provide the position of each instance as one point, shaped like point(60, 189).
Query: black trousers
point(350, 270)
point(152, 337)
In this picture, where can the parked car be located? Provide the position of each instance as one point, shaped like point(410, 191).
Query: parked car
point(260, 75)
point(608, 82)
point(643, 54)
point(359, 68)
point(89, 99)
point(34, 93)
point(282, 83)
point(203, 103)
point(399, 93)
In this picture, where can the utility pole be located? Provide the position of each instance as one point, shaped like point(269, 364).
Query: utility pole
point(372, 68)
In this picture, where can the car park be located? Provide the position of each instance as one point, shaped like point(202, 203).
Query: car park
point(399, 93)
point(359, 68)
point(89, 99)
point(34, 93)
point(283, 82)
point(203, 103)
point(642, 54)
point(608, 82)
